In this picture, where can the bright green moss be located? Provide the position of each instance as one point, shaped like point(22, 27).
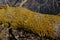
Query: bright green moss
point(42, 24)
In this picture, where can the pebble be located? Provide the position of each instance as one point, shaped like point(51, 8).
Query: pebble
point(21, 35)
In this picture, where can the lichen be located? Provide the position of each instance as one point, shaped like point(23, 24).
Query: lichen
point(42, 24)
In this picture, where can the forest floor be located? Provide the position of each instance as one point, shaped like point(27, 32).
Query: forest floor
point(19, 34)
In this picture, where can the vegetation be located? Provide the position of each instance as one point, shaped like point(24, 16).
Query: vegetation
point(42, 24)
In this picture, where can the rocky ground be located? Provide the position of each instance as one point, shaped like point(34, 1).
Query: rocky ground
point(19, 34)
point(43, 6)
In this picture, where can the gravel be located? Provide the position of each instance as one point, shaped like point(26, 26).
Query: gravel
point(19, 34)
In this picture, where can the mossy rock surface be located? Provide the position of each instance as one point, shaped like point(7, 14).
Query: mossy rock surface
point(41, 24)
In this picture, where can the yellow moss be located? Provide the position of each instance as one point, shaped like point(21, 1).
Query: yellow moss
point(42, 24)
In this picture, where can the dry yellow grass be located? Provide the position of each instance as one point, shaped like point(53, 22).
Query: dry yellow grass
point(42, 24)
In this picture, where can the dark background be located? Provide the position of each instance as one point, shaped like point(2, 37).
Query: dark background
point(40, 6)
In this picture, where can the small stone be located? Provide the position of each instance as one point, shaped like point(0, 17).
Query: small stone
point(17, 37)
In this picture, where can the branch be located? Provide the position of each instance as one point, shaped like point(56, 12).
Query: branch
point(23, 2)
